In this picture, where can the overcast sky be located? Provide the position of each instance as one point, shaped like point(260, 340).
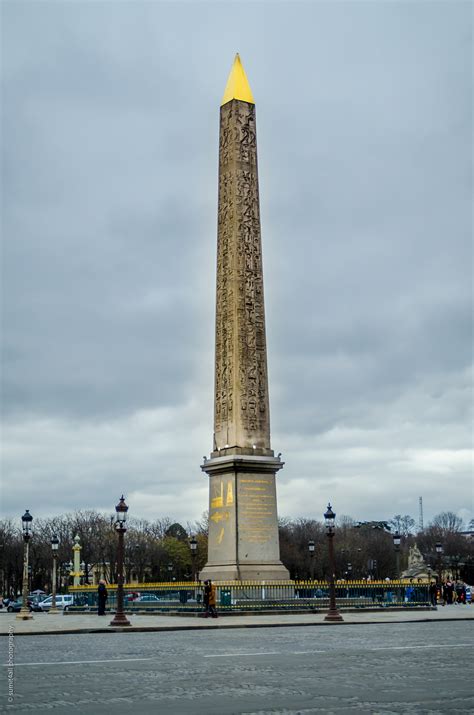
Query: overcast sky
point(110, 154)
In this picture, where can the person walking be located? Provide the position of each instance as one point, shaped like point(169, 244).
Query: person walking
point(209, 599)
point(101, 597)
point(433, 593)
point(448, 592)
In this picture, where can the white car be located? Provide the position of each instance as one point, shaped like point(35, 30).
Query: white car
point(63, 601)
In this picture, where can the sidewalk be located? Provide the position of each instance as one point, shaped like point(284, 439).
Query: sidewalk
point(48, 624)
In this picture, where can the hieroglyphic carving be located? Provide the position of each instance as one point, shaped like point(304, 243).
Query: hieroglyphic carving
point(241, 396)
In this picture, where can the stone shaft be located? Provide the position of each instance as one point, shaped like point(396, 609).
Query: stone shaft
point(241, 408)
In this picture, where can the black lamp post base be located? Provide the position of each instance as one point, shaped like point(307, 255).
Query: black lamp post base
point(333, 616)
point(120, 619)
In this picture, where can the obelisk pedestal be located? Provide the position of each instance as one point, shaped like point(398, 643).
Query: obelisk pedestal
point(243, 523)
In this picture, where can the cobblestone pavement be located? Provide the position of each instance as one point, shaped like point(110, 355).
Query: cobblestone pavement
point(90, 622)
point(422, 668)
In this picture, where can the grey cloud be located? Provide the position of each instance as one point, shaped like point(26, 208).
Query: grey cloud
point(109, 191)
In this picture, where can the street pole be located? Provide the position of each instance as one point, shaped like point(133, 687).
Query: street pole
point(311, 548)
point(26, 520)
point(333, 614)
point(193, 547)
point(120, 618)
point(54, 546)
point(396, 543)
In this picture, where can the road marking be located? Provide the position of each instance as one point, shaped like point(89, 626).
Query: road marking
point(412, 647)
point(77, 662)
point(306, 652)
point(310, 652)
point(238, 655)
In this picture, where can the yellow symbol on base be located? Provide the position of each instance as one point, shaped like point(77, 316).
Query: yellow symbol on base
point(219, 515)
point(221, 536)
point(218, 500)
point(229, 500)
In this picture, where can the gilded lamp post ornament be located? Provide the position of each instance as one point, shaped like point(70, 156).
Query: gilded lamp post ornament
point(243, 526)
point(77, 573)
point(26, 520)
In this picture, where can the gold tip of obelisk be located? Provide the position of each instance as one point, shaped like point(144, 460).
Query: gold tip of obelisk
point(237, 86)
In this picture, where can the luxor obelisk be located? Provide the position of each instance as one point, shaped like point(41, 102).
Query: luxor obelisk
point(243, 525)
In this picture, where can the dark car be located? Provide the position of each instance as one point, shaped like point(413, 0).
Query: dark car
point(15, 606)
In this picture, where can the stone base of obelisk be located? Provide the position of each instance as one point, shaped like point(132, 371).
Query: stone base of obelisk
point(243, 522)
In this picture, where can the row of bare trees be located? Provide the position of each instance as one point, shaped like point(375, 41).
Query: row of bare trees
point(366, 549)
point(154, 551)
point(160, 550)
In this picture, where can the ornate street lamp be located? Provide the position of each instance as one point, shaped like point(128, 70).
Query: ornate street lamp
point(26, 520)
point(85, 572)
point(193, 546)
point(66, 568)
point(439, 551)
point(121, 509)
point(54, 548)
point(311, 548)
point(333, 614)
point(396, 542)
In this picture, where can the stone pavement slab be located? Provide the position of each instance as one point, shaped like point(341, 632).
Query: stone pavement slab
point(46, 623)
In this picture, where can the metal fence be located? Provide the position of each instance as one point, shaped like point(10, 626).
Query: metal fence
point(245, 596)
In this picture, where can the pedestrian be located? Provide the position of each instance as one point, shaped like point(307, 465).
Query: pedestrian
point(209, 599)
point(101, 597)
point(448, 592)
point(433, 593)
point(461, 592)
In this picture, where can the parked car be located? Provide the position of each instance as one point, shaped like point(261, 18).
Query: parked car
point(148, 598)
point(15, 606)
point(36, 601)
point(129, 597)
point(63, 601)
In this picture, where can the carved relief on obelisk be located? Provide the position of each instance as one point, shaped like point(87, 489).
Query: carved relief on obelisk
point(241, 413)
point(243, 524)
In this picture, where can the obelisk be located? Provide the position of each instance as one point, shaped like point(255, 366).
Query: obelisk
point(243, 524)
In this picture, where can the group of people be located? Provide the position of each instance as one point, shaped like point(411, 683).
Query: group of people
point(454, 592)
point(209, 599)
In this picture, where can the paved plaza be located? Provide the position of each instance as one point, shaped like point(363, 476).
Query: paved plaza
point(372, 667)
point(44, 623)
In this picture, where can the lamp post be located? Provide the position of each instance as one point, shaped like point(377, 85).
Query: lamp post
point(121, 509)
point(349, 571)
point(66, 568)
point(54, 548)
point(333, 614)
point(193, 546)
point(396, 543)
point(311, 558)
point(26, 520)
point(170, 571)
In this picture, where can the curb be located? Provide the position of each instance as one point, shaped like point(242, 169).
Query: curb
point(158, 629)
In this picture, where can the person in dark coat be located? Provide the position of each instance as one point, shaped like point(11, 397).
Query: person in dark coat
point(102, 598)
point(433, 593)
point(209, 599)
point(448, 592)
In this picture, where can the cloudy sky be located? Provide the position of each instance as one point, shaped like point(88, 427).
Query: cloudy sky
point(109, 191)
